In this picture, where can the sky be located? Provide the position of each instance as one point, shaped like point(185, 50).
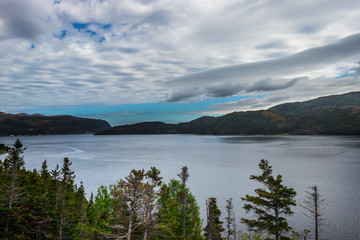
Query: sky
point(128, 61)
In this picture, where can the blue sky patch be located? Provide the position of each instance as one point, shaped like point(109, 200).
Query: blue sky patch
point(352, 74)
point(106, 26)
point(61, 35)
point(161, 111)
point(80, 26)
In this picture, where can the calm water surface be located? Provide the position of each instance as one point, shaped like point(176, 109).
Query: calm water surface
point(220, 167)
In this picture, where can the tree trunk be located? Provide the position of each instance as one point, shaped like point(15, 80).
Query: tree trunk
point(316, 213)
point(184, 208)
point(277, 224)
point(128, 235)
point(11, 198)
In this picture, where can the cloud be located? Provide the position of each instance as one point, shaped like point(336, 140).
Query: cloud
point(272, 44)
point(259, 76)
point(21, 19)
point(115, 52)
point(223, 90)
point(183, 95)
point(267, 85)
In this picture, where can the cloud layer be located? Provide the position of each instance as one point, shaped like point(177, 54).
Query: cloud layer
point(71, 53)
point(269, 75)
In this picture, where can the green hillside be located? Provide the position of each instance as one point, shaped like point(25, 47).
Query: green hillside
point(330, 115)
point(24, 124)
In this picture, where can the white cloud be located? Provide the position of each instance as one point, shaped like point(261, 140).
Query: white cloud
point(46, 62)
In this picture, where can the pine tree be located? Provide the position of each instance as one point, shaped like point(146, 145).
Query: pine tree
point(214, 227)
point(313, 206)
point(150, 195)
point(270, 205)
point(54, 195)
point(229, 219)
point(15, 162)
point(128, 202)
point(169, 217)
point(42, 191)
point(66, 222)
point(184, 177)
point(80, 213)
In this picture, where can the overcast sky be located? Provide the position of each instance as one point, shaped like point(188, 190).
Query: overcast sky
point(173, 60)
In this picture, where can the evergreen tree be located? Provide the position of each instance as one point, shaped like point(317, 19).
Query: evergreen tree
point(184, 177)
point(150, 196)
point(229, 219)
point(15, 163)
point(99, 213)
point(128, 202)
point(270, 205)
point(313, 206)
point(54, 195)
point(43, 217)
point(169, 217)
point(67, 222)
point(214, 227)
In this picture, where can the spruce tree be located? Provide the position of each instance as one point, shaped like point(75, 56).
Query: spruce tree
point(271, 204)
point(229, 219)
point(15, 163)
point(184, 177)
point(169, 217)
point(214, 227)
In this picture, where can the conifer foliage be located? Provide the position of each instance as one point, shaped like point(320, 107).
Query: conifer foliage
point(213, 227)
point(271, 204)
point(38, 204)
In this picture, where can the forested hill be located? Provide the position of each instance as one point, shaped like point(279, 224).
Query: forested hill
point(24, 124)
point(330, 115)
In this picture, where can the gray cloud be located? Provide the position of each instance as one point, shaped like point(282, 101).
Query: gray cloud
point(268, 85)
point(223, 90)
point(21, 19)
point(272, 44)
point(344, 50)
point(183, 94)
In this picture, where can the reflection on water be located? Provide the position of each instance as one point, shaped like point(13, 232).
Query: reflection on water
point(220, 167)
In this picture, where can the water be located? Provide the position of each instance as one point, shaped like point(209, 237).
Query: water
point(219, 167)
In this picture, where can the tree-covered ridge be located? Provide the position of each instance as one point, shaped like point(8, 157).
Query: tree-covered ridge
point(47, 204)
point(332, 115)
point(24, 124)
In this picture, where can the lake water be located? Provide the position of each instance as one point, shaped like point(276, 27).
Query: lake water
point(220, 167)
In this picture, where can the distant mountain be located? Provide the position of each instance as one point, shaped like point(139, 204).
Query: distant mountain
point(24, 124)
point(330, 115)
point(318, 104)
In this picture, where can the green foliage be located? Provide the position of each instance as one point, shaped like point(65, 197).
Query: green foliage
point(169, 216)
point(253, 236)
point(39, 205)
point(270, 205)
